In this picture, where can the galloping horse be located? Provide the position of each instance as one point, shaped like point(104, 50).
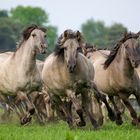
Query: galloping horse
point(66, 73)
point(19, 73)
point(115, 74)
point(96, 54)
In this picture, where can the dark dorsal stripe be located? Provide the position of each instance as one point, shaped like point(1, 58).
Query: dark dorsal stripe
point(114, 51)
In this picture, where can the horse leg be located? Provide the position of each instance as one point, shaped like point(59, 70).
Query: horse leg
point(31, 110)
point(130, 108)
point(13, 104)
point(117, 112)
point(77, 106)
point(7, 111)
point(20, 108)
point(87, 106)
point(97, 110)
point(102, 97)
point(138, 100)
point(59, 105)
point(48, 108)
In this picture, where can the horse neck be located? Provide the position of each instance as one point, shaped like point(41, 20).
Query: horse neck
point(25, 56)
point(122, 64)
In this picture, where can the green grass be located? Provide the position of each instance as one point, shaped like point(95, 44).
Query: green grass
point(60, 131)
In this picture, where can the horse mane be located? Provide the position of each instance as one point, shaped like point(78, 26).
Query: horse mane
point(26, 33)
point(114, 51)
point(59, 50)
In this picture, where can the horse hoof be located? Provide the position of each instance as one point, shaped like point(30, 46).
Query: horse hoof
point(81, 124)
point(119, 122)
point(134, 122)
point(112, 116)
point(32, 111)
point(139, 118)
point(96, 127)
point(25, 120)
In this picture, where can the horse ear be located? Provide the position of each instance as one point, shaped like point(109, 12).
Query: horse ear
point(125, 33)
point(43, 29)
point(138, 33)
point(65, 33)
point(78, 35)
point(26, 32)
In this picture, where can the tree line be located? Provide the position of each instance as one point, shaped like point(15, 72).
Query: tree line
point(96, 32)
point(14, 21)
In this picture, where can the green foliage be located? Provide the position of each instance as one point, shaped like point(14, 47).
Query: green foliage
point(60, 131)
point(96, 32)
point(9, 34)
point(29, 15)
point(115, 32)
point(3, 13)
point(21, 17)
point(51, 37)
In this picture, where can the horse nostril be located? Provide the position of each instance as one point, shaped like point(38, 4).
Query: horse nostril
point(42, 46)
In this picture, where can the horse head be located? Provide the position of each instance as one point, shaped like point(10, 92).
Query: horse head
point(68, 46)
point(131, 48)
point(128, 47)
point(36, 37)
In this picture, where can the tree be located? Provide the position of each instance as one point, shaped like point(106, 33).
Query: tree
point(115, 32)
point(51, 37)
point(29, 15)
point(9, 33)
point(96, 32)
point(3, 13)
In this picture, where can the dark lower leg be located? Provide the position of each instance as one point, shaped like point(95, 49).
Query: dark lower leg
point(132, 111)
point(87, 106)
point(78, 107)
point(100, 96)
point(111, 114)
point(60, 106)
point(117, 112)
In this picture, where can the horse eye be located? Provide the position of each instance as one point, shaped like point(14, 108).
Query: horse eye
point(126, 46)
point(45, 36)
point(65, 48)
point(33, 35)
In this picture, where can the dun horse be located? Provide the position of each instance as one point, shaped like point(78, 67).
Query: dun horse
point(66, 73)
point(115, 75)
point(19, 73)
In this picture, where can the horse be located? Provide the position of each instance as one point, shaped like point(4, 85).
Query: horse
point(89, 51)
point(18, 72)
point(67, 73)
point(40, 101)
point(115, 72)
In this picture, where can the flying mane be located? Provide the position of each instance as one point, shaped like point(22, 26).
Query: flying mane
point(26, 33)
point(114, 51)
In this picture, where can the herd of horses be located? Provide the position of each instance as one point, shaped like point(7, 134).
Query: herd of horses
point(75, 77)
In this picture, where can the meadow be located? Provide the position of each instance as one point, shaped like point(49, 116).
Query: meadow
point(60, 131)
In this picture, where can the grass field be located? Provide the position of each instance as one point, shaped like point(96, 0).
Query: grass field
point(60, 131)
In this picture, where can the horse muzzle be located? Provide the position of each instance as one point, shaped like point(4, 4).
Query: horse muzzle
point(43, 49)
point(135, 63)
point(71, 67)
